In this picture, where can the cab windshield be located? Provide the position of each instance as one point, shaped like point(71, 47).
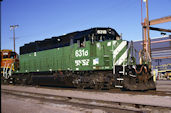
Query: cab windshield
point(10, 55)
point(5, 56)
point(13, 54)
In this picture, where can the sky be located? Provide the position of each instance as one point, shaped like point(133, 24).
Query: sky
point(40, 19)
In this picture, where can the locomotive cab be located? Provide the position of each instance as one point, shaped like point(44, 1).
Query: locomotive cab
point(9, 62)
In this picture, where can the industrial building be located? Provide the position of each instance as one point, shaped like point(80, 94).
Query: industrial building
point(161, 55)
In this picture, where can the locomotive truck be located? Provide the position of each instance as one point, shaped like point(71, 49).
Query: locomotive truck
point(95, 58)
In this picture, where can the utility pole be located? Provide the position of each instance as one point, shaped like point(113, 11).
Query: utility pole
point(12, 27)
point(148, 35)
point(0, 23)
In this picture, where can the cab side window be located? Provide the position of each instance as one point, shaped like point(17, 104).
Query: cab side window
point(5, 56)
point(13, 54)
point(81, 42)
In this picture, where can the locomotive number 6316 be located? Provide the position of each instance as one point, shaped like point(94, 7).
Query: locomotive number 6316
point(80, 53)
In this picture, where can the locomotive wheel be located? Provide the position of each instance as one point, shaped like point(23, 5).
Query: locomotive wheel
point(108, 87)
point(5, 81)
point(30, 82)
point(98, 86)
point(81, 86)
point(23, 82)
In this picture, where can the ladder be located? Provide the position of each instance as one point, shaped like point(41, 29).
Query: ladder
point(119, 80)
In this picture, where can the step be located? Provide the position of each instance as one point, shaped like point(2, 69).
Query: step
point(118, 86)
point(121, 72)
point(120, 79)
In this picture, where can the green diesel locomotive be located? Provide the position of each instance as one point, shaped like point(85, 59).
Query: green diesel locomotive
point(95, 58)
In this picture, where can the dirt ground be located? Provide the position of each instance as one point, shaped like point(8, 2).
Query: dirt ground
point(163, 85)
point(12, 104)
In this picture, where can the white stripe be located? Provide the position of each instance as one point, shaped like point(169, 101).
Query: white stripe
point(122, 58)
point(114, 42)
point(119, 48)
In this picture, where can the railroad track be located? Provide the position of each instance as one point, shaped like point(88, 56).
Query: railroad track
point(149, 92)
point(108, 106)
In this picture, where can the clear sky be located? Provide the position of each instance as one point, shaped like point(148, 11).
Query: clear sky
point(40, 19)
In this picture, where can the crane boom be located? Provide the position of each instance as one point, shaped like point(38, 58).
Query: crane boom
point(160, 20)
